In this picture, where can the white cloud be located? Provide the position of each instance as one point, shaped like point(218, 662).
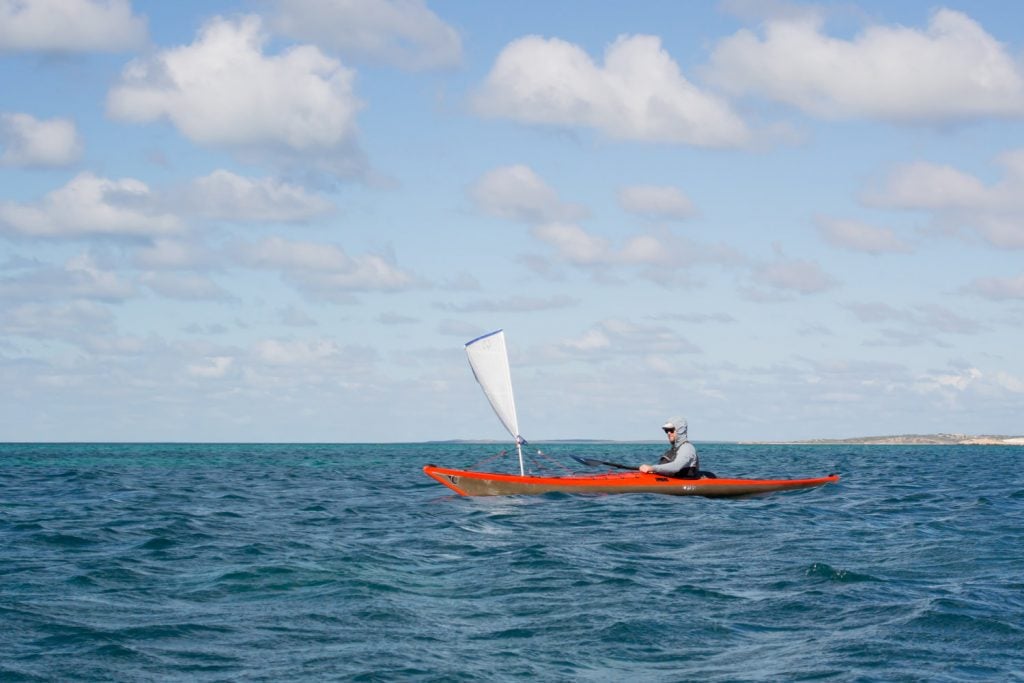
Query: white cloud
point(617, 336)
point(90, 206)
point(517, 304)
point(173, 254)
point(28, 142)
point(941, 319)
point(183, 286)
point(325, 270)
point(857, 236)
point(80, 277)
point(997, 288)
point(518, 193)
point(655, 201)
point(295, 352)
point(638, 94)
point(222, 90)
point(68, 320)
point(1009, 382)
point(913, 325)
point(226, 196)
point(403, 33)
point(959, 381)
point(929, 187)
point(663, 258)
point(875, 312)
point(795, 275)
point(953, 70)
point(955, 198)
point(214, 367)
point(574, 244)
point(70, 26)
point(590, 340)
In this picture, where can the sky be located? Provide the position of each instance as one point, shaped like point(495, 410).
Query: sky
point(281, 220)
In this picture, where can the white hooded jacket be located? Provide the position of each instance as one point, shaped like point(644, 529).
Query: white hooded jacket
point(681, 455)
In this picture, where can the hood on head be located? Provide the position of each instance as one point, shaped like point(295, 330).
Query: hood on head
point(678, 422)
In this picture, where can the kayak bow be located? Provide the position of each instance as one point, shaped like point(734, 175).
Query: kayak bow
point(469, 483)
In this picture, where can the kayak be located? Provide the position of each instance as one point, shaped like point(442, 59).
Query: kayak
point(470, 483)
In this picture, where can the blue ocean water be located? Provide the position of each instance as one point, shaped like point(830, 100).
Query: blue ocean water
point(141, 562)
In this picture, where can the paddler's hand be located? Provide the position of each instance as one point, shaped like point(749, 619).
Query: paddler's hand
point(645, 468)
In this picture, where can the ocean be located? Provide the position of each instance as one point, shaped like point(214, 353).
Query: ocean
point(216, 562)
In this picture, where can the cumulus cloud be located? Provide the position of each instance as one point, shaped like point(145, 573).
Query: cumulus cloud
point(574, 244)
point(402, 33)
point(70, 26)
point(639, 93)
point(793, 275)
point(997, 288)
point(80, 278)
point(28, 142)
point(659, 202)
point(951, 70)
point(873, 312)
point(518, 193)
point(579, 247)
point(67, 320)
point(214, 367)
point(174, 254)
point(857, 236)
point(960, 380)
point(295, 351)
point(90, 206)
point(516, 304)
point(913, 325)
point(662, 258)
point(617, 336)
point(957, 199)
point(325, 270)
point(226, 196)
point(183, 286)
point(223, 91)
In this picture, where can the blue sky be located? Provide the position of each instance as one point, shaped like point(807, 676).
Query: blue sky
point(281, 220)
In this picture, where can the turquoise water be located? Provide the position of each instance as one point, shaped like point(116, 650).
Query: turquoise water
point(344, 562)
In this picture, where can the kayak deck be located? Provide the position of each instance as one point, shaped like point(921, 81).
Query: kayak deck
point(470, 483)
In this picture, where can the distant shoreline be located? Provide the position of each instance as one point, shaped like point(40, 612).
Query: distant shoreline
point(913, 440)
point(890, 440)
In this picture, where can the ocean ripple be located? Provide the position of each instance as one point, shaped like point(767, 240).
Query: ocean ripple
point(282, 562)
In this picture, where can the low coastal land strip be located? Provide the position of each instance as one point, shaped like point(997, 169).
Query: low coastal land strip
point(924, 440)
point(892, 440)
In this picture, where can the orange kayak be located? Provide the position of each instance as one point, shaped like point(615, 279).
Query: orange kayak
point(469, 483)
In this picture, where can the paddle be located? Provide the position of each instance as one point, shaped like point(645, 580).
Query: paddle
point(597, 463)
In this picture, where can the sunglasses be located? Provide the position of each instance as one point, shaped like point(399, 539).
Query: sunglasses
point(669, 431)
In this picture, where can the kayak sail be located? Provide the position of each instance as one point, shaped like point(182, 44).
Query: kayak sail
point(488, 357)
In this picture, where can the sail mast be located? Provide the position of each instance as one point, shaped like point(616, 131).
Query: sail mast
point(488, 357)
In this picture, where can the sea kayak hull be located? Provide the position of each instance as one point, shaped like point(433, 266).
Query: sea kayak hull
point(469, 483)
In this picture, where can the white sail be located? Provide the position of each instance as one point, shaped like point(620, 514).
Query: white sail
point(489, 359)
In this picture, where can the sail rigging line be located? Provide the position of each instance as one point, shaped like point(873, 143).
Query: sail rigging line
point(500, 454)
point(553, 465)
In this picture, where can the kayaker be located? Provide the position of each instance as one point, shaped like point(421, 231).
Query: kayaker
point(680, 460)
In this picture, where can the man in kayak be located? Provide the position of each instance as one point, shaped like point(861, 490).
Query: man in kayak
point(680, 460)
